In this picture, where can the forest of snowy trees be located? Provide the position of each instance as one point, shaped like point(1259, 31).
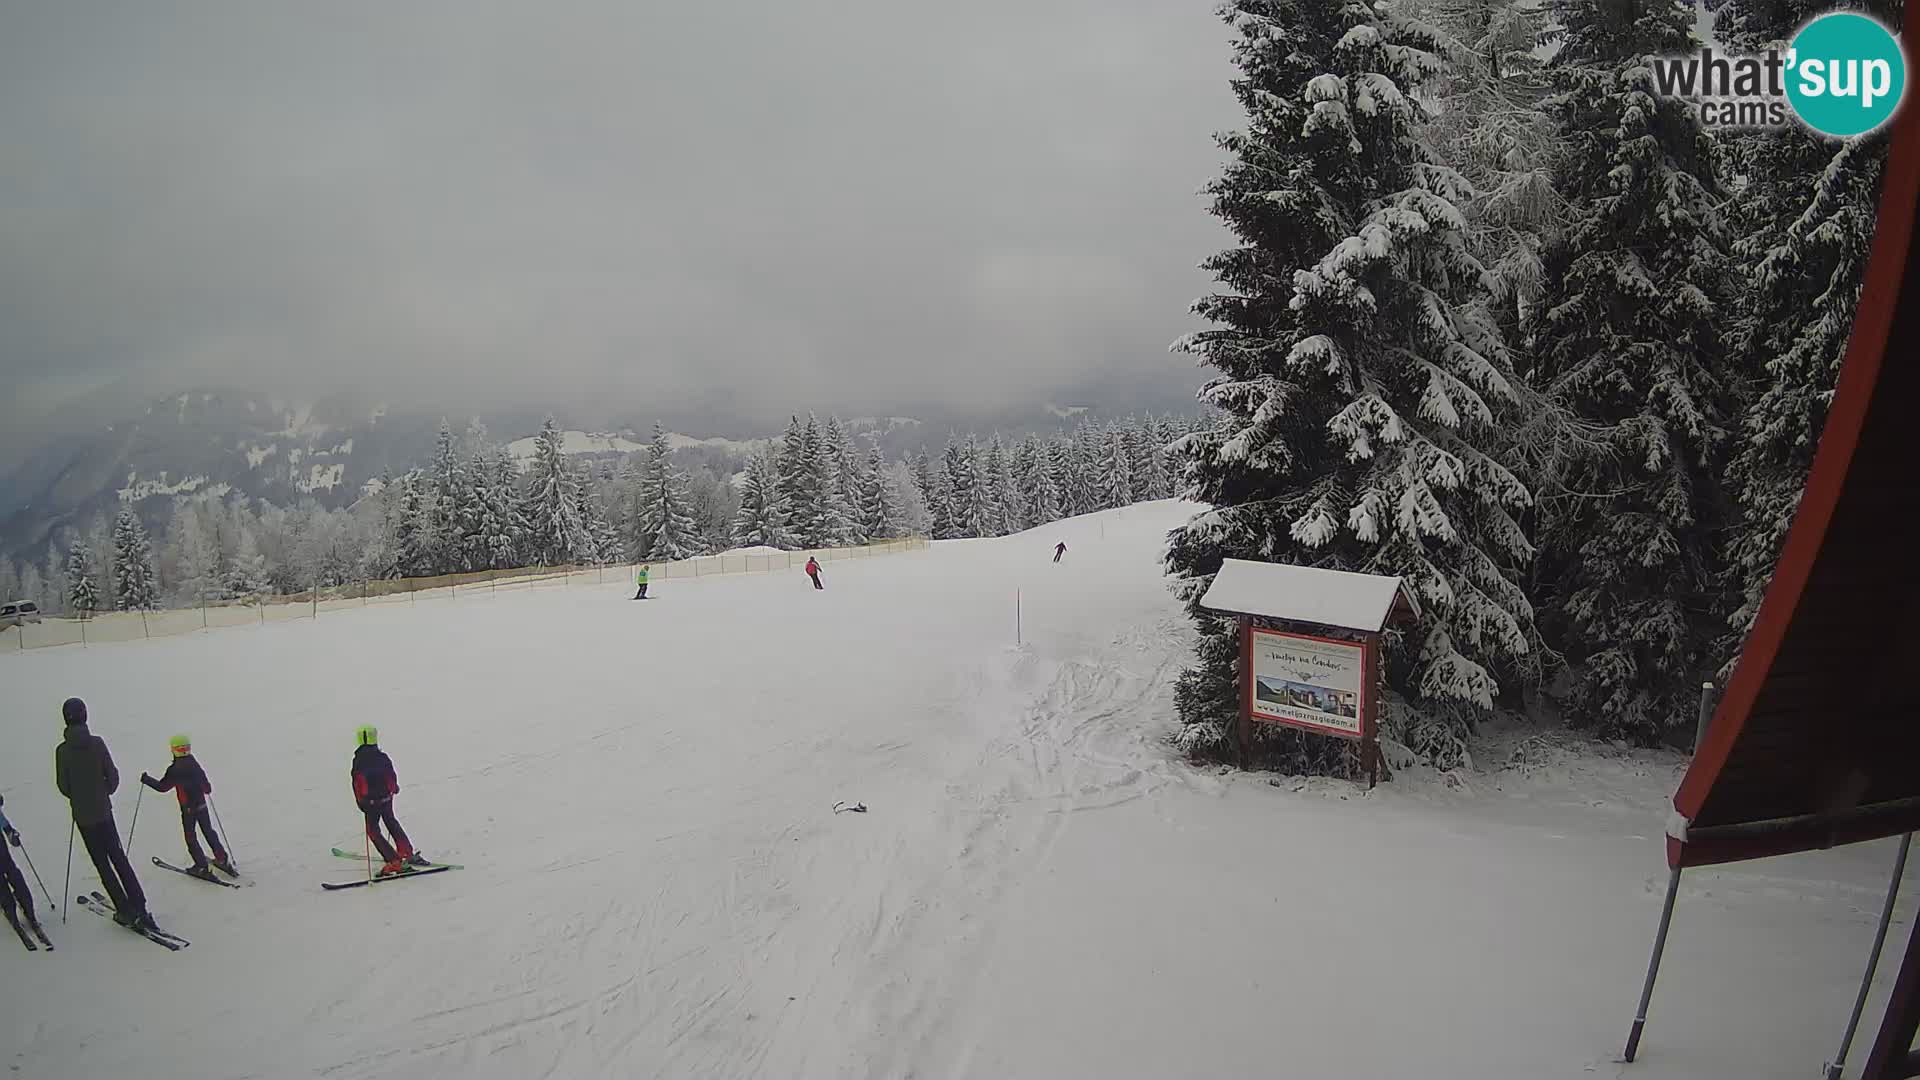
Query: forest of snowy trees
point(1503, 321)
point(473, 507)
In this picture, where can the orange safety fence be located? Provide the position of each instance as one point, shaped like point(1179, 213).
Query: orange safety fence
point(108, 627)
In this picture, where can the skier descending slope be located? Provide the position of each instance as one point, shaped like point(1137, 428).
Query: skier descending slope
point(374, 786)
point(13, 887)
point(640, 579)
point(813, 571)
point(188, 781)
point(1059, 549)
point(85, 774)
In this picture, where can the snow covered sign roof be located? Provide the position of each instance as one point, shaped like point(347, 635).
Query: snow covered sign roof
point(1307, 594)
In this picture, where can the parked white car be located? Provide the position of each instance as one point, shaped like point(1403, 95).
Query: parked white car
point(18, 612)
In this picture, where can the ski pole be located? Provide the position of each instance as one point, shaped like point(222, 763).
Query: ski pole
point(36, 876)
point(135, 823)
point(224, 838)
point(66, 890)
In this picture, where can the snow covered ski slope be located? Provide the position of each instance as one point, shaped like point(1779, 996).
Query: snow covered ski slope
point(657, 884)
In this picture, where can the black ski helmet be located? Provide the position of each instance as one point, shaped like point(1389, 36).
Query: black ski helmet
point(73, 711)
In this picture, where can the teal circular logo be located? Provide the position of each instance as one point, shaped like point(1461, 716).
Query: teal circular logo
point(1846, 74)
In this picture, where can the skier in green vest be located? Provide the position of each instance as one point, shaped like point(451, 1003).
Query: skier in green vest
point(641, 579)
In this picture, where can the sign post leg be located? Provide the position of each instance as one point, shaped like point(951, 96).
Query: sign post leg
point(1242, 734)
point(1653, 966)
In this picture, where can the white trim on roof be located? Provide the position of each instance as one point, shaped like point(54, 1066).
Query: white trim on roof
point(1305, 594)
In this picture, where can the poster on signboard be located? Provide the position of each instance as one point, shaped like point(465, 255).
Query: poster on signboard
point(1309, 682)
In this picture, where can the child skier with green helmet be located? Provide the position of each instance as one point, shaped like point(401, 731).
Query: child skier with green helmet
point(188, 782)
point(374, 786)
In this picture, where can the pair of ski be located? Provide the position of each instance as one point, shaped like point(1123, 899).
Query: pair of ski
point(103, 907)
point(409, 872)
point(206, 876)
point(25, 939)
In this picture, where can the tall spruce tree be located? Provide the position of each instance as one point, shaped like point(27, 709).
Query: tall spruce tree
point(941, 506)
point(489, 520)
point(1116, 470)
point(879, 507)
point(1631, 338)
point(135, 586)
point(83, 594)
point(1361, 422)
point(445, 504)
point(550, 507)
point(1804, 216)
point(666, 523)
point(763, 508)
point(996, 488)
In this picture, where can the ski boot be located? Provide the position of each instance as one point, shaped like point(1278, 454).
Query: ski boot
point(412, 857)
point(144, 923)
point(395, 865)
point(225, 866)
point(202, 870)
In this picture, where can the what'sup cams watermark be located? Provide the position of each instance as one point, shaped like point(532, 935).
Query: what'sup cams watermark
point(1844, 74)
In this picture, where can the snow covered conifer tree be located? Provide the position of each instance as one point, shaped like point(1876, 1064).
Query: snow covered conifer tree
point(922, 472)
point(996, 488)
point(489, 520)
point(1024, 472)
point(841, 466)
point(1631, 339)
point(446, 507)
point(665, 519)
point(135, 585)
point(1060, 467)
point(963, 480)
point(792, 464)
point(555, 534)
point(1157, 482)
point(1805, 212)
point(940, 500)
point(879, 508)
point(854, 484)
point(1040, 486)
point(763, 509)
point(83, 596)
point(1116, 470)
point(831, 520)
point(1362, 425)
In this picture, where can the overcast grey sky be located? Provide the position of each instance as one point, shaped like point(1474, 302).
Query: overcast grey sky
point(841, 202)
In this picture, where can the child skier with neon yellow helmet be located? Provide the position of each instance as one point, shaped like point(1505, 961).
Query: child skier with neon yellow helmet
point(188, 782)
point(374, 786)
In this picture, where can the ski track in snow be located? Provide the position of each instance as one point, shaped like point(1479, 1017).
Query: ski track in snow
point(656, 883)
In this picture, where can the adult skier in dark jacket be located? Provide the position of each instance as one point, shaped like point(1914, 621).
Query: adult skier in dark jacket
point(189, 783)
point(85, 774)
point(13, 885)
point(374, 786)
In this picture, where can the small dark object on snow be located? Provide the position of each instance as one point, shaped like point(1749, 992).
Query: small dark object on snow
point(843, 807)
